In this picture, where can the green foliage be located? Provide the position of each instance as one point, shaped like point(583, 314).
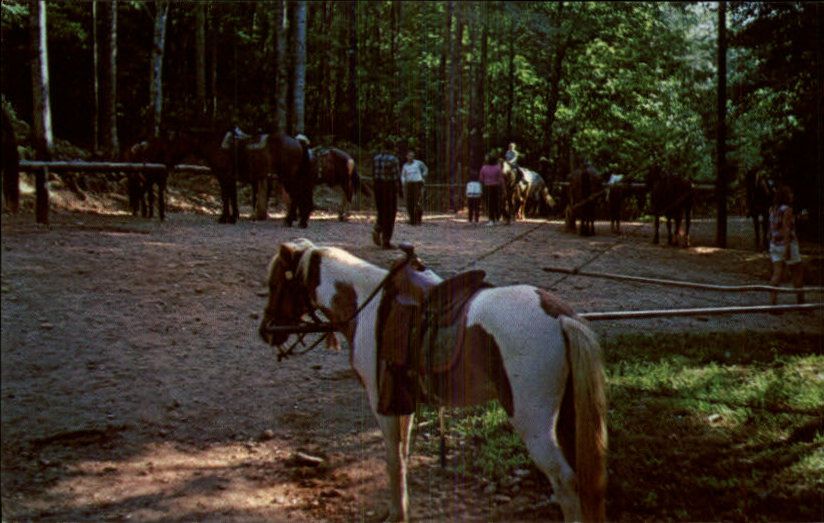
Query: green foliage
point(636, 84)
point(702, 427)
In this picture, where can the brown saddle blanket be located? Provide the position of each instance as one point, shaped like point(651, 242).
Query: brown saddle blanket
point(421, 326)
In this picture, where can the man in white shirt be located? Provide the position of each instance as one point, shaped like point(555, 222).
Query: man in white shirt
point(413, 175)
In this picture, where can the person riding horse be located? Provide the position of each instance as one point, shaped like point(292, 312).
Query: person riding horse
point(511, 157)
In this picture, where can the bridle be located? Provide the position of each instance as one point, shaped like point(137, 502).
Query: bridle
point(317, 325)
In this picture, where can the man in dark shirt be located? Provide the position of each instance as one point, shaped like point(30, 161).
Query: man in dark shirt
point(386, 173)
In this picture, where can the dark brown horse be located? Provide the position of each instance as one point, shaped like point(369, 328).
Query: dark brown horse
point(141, 184)
point(10, 166)
point(289, 159)
point(335, 167)
point(760, 190)
point(584, 191)
point(615, 198)
point(136, 180)
point(671, 196)
point(236, 157)
point(223, 153)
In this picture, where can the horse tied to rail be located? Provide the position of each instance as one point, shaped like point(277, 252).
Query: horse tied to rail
point(417, 338)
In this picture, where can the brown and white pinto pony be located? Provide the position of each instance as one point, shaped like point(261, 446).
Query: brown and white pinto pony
point(523, 346)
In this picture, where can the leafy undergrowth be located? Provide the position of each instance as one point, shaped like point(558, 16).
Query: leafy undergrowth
point(712, 426)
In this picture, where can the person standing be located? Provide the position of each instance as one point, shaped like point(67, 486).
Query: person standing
point(386, 176)
point(413, 176)
point(474, 191)
point(492, 178)
point(784, 249)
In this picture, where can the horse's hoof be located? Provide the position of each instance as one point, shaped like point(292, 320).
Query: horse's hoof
point(303, 225)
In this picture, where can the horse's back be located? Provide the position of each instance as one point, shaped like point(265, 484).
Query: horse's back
point(521, 322)
point(671, 194)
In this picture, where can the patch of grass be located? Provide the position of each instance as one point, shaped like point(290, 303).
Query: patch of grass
point(705, 426)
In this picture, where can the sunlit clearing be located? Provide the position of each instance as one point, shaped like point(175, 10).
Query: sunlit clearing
point(706, 250)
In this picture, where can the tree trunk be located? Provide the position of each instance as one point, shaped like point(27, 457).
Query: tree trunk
point(452, 110)
point(213, 76)
point(511, 82)
point(352, 93)
point(721, 142)
point(477, 105)
point(96, 76)
point(108, 81)
point(395, 16)
point(442, 132)
point(300, 68)
point(156, 72)
point(41, 117)
point(200, 57)
point(555, 73)
point(282, 65)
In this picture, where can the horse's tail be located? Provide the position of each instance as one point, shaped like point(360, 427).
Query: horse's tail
point(305, 162)
point(352, 173)
point(357, 185)
point(588, 386)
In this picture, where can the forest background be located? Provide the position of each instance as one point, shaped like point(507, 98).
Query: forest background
point(624, 85)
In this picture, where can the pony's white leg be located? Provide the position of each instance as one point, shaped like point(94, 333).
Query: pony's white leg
point(396, 435)
point(538, 433)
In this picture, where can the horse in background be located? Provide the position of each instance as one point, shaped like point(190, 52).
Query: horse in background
point(533, 196)
point(335, 167)
point(510, 197)
point(671, 196)
point(10, 165)
point(615, 200)
point(141, 184)
point(760, 190)
point(136, 180)
point(223, 152)
point(585, 189)
point(452, 343)
point(234, 156)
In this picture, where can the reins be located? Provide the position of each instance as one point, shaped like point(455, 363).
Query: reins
point(320, 326)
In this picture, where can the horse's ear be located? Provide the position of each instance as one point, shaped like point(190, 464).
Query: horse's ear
point(309, 268)
point(292, 251)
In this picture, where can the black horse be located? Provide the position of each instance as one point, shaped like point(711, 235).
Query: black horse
point(671, 196)
point(10, 166)
point(760, 190)
point(584, 191)
point(615, 193)
point(136, 180)
point(336, 167)
point(141, 184)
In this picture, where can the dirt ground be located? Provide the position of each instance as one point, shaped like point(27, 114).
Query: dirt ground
point(135, 387)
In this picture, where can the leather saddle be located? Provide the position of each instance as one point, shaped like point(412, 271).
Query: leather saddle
point(420, 331)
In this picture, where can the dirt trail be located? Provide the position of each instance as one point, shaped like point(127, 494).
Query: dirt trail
point(134, 385)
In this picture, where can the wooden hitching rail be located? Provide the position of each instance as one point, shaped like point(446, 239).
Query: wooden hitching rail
point(686, 284)
point(41, 168)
